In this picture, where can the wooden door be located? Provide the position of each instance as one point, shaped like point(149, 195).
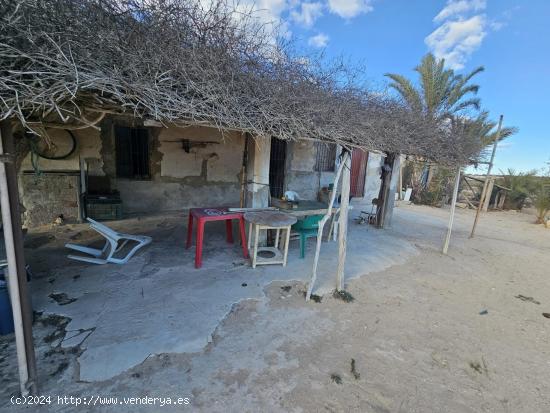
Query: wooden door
point(358, 171)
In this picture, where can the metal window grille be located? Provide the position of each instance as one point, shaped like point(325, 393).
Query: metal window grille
point(132, 153)
point(326, 157)
point(277, 168)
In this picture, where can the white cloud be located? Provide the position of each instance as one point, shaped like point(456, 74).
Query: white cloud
point(497, 25)
point(462, 28)
point(319, 40)
point(455, 40)
point(349, 8)
point(267, 12)
point(459, 8)
point(307, 13)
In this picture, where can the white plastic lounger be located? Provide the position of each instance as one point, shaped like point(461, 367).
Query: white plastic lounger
point(114, 242)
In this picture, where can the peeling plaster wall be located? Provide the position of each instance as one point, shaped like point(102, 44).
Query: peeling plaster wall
point(301, 176)
point(223, 160)
point(206, 176)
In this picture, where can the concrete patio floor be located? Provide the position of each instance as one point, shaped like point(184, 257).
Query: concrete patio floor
point(463, 332)
point(159, 303)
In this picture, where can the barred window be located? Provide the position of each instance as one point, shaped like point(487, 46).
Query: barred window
point(326, 157)
point(132, 153)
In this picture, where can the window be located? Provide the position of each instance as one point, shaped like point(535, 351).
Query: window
point(132, 153)
point(326, 157)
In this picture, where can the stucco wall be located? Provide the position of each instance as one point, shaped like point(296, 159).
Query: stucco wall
point(223, 161)
point(206, 176)
point(301, 176)
point(88, 147)
point(259, 151)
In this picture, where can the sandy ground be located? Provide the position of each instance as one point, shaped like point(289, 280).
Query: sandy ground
point(435, 333)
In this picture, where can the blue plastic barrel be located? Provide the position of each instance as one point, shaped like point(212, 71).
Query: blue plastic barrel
point(6, 315)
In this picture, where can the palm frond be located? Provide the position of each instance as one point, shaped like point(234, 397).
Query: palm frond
point(467, 104)
point(505, 132)
point(406, 89)
point(474, 72)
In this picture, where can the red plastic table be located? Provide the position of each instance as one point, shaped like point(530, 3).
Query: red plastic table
point(203, 215)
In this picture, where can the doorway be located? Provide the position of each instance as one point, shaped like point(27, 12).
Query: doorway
point(277, 161)
point(358, 170)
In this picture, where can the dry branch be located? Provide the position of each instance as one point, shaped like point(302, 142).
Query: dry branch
point(174, 61)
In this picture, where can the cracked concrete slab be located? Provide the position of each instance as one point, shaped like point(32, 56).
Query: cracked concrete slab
point(159, 303)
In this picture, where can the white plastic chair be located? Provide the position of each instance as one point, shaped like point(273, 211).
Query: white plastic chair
point(114, 242)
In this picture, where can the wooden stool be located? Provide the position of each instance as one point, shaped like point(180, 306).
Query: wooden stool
point(278, 221)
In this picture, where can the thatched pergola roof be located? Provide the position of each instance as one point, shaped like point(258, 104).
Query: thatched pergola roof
point(71, 61)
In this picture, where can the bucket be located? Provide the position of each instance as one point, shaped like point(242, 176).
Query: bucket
point(6, 315)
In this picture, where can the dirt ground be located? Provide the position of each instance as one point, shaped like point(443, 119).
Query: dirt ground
point(458, 333)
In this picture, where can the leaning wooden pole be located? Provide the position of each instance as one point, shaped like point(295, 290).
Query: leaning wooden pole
point(345, 157)
point(486, 183)
point(452, 213)
point(16, 277)
point(343, 224)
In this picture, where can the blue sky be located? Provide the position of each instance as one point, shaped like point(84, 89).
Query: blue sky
point(510, 38)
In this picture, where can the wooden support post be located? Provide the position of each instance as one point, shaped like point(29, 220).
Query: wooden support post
point(469, 186)
point(482, 198)
point(497, 199)
point(502, 200)
point(345, 158)
point(452, 213)
point(487, 200)
point(385, 190)
point(17, 273)
point(343, 224)
point(400, 182)
point(469, 202)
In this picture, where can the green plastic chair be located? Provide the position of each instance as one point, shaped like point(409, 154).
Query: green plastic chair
point(307, 228)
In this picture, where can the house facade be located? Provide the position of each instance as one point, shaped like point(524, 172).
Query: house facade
point(155, 168)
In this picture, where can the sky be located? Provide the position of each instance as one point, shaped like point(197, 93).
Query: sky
point(510, 38)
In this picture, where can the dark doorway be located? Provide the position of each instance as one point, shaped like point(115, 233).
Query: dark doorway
point(358, 170)
point(277, 162)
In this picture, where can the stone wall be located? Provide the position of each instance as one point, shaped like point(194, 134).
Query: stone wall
point(47, 196)
point(53, 189)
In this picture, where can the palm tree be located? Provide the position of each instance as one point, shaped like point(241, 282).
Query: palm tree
point(481, 127)
point(441, 93)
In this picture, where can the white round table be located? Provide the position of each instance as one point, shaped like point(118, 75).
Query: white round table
point(265, 220)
